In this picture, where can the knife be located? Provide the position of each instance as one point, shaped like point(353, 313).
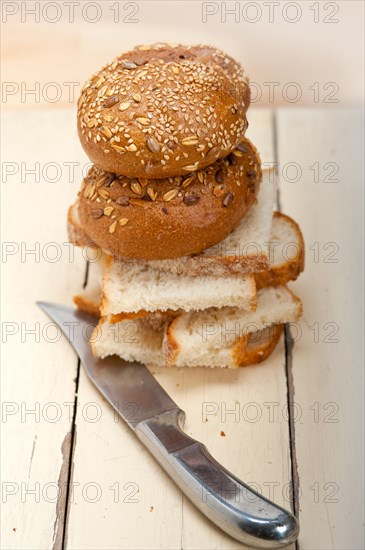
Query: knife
point(144, 405)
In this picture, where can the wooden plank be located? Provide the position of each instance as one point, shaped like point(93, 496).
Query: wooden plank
point(39, 367)
point(253, 442)
point(327, 366)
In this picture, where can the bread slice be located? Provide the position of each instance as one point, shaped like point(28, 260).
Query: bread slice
point(133, 340)
point(286, 252)
point(245, 250)
point(216, 336)
point(129, 288)
point(226, 337)
point(255, 348)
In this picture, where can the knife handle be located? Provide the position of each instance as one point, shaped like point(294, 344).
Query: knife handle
point(224, 499)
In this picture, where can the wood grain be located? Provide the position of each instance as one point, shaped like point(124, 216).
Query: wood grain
point(39, 366)
point(327, 361)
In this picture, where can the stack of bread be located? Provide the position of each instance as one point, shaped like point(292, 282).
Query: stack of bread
point(193, 262)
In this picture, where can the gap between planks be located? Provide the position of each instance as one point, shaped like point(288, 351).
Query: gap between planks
point(68, 448)
point(288, 354)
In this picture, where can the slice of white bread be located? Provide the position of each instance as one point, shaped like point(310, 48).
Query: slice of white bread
point(245, 250)
point(133, 340)
point(217, 336)
point(131, 290)
point(226, 337)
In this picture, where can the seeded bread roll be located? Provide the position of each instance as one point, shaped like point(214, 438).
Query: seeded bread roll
point(169, 217)
point(163, 110)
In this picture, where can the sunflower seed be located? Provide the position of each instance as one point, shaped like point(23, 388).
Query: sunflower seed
point(113, 100)
point(228, 198)
point(122, 201)
point(190, 199)
point(123, 221)
point(232, 159)
point(109, 180)
point(251, 174)
point(128, 65)
point(153, 145)
point(243, 147)
point(213, 152)
point(171, 145)
point(238, 153)
point(97, 213)
point(219, 176)
point(170, 195)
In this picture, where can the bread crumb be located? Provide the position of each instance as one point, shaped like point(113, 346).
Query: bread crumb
point(223, 434)
point(151, 508)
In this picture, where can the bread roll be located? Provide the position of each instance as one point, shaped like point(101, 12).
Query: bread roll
point(170, 217)
point(163, 110)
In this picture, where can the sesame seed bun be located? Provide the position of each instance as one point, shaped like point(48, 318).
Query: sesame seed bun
point(163, 110)
point(169, 217)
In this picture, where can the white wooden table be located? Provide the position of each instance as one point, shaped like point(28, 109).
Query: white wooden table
point(75, 477)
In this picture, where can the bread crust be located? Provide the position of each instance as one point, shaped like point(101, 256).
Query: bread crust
point(247, 351)
point(288, 270)
point(89, 306)
point(157, 110)
point(169, 217)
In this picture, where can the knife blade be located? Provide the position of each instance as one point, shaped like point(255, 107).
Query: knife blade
point(157, 420)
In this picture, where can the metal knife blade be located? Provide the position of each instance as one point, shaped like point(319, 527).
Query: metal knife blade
point(129, 387)
point(223, 498)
